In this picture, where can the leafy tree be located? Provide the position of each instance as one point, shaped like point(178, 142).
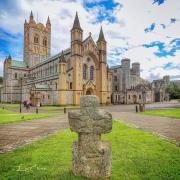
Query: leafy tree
point(1, 80)
point(174, 91)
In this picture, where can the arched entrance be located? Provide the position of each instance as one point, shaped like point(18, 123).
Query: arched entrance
point(89, 91)
point(134, 99)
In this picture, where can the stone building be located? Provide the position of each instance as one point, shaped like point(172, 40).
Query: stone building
point(129, 88)
point(160, 89)
point(60, 79)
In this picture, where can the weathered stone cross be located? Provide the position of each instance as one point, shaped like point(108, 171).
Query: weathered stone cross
point(91, 156)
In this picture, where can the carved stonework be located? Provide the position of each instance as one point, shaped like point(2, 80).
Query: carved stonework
point(91, 156)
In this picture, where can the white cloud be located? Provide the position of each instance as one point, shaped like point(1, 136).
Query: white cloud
point(126, 32)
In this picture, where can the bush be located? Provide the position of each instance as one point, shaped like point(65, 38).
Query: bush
point(174, 91)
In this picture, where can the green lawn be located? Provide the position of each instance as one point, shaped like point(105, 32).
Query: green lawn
point(9, 105)
point(51, 108)
point(5, 111)
point(173, 113)
point(136, 155)
point(7, 116)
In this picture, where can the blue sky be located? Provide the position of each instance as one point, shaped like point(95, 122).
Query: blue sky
point(146, 31)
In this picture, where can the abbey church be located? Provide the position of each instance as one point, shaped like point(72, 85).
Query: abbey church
point(81, 69)
point(60, 79)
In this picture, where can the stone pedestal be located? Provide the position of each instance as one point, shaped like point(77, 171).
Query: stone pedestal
point(142, 107)
point(91, 156)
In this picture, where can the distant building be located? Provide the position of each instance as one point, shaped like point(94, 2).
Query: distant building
point(60, 79)
point(129, 88)
point(160, 89)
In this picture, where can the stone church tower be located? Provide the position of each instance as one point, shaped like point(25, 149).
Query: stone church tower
point(101, 45)
point(76, 59)
point(37, 41)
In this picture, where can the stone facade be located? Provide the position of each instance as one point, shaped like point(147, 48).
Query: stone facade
point(91, 156)
point(129, 88)
point(37, 41)
point(60, 79)
point(160, 89)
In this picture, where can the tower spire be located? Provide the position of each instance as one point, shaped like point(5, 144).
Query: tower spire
point(101, 36)
point(62, 58)
point(9, 57)
point(48, 21)
point(76, 24)
point(31, 18)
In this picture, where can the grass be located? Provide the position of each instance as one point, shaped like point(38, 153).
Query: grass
point(5, 111)
point(51, 108)
point(172, 113)
point(136, 155)
point(10, 105)
point(7, 116)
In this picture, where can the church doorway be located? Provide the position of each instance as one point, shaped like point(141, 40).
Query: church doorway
point(89, 91)
point(134, 99)
point(157, 97)
point(33, 99)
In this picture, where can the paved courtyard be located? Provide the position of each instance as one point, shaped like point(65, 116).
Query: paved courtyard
point(165, 127)
point(17, 134)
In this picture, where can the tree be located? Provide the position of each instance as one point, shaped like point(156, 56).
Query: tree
point(174, 91)
point(1, 80)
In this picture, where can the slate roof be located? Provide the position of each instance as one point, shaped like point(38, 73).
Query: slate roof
point(54, 57)
point(76, 24)
point(20, 64)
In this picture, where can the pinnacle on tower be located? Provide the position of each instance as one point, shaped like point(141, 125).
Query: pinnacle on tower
point(76, 24)
point(31, 18)
point(62, 58)
point(48, 21)
point(101, 36)
point(31, 14)
point(9, 57)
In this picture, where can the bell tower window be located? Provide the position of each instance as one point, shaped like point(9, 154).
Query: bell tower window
point(36, 39)
point(45, 41)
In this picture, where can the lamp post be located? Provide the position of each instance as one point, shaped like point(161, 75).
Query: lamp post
point(36, 102)
point(20, 108)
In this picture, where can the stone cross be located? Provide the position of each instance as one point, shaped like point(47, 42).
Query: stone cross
point(91, 156)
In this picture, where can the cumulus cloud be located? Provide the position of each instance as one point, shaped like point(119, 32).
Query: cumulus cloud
point(124, 23)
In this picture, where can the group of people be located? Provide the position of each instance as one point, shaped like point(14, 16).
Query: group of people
point(27, 104)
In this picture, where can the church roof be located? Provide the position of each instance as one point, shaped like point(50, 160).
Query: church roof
point(54, 57)
point(20, 64)
point(141, 87)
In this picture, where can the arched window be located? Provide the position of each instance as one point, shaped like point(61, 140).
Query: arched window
point(84, 71)
point(44, 41)
point(91, 72)
point(36, 38)
point(70, 85)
